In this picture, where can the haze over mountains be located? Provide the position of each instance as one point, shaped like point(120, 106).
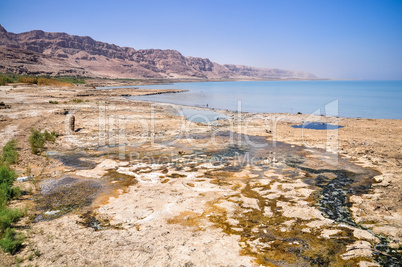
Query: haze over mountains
point(47, 53)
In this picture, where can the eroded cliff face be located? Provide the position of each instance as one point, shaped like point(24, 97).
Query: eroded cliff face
point(39, 52)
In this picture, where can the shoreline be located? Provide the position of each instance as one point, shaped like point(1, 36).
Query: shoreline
point(365, 142)
point(376, 116)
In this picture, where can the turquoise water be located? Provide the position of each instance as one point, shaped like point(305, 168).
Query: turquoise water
point(366, 99)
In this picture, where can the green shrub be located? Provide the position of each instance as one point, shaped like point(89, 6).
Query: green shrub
point(7, 176)
point(10, 155)
point(8, 217)
point(53, 102)
point(4, 80)
point(5, 195)
point(15, 192)
point(37, 141)
point(71, 79)
point(11, 241)
point(77, 100)
point(50, 136)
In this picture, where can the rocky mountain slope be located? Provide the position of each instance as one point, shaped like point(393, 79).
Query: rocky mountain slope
point(39, 52)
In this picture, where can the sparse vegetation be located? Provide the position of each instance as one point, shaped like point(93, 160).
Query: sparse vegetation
point(7, 78)
point(9, 154)
point(4, 80)
point(71, 79)
point(46, 81)
point(77, 100)
point(53, 102)
point(50, 136)
point(10, 241)
point(28, 79)
point(37, 253)
point(37, 140)
point(8, 217)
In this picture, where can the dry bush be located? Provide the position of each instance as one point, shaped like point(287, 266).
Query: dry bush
point(30, 80)
point(45, 81)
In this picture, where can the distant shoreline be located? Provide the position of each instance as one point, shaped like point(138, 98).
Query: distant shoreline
point(312, 101)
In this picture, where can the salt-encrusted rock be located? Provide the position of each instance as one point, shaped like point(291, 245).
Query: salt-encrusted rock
point(108, 164)
point(367, 264)
point(100, 170)
point(378, 179)
point(327, 233)
point(359, 249)
point(363, 234)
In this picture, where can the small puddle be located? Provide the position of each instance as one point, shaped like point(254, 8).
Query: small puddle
point(318, 126)
point(60, 196)
point(77, 160)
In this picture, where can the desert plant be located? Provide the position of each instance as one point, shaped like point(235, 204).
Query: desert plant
point(53, 102)
point(28, 79)
point(7, 176)
point(46, 81)
point(71, 79)
point(4, 80)
point(27, 170)
point(11, 241)
point(77, 100)
point(37, 253)
point(8, 217)
point(9, 154)
point(37, 141)
point(50, 136)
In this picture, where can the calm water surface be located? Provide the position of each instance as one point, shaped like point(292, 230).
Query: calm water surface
point(366, 99)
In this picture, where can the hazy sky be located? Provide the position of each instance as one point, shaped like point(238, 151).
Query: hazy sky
point(342, 39)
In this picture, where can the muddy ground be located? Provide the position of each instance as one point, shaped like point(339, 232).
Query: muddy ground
point(136, 185)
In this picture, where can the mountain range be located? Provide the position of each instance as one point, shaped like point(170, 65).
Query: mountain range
point(55, 53)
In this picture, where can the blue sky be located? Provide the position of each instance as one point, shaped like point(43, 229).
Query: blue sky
point(340, 39)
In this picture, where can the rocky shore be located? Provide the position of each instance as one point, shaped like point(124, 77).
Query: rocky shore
point(135, 184)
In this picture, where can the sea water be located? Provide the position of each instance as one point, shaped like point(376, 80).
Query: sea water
point(365, 99)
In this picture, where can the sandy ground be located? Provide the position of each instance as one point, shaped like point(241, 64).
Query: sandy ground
point(167, 201)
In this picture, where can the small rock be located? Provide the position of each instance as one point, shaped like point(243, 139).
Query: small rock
point(363, 234)
point(378, 179)
point(108, 164)
point(359, 249)
point(242, 244)
point(327, 233)
point(394, 245)
point(367, 264)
